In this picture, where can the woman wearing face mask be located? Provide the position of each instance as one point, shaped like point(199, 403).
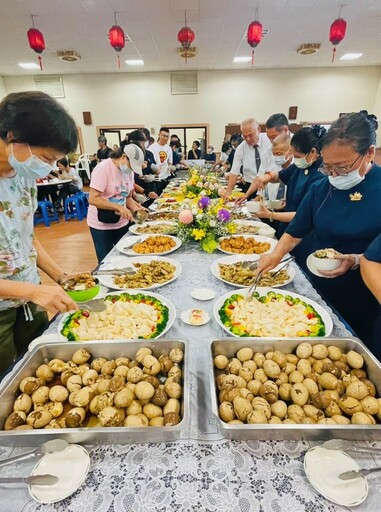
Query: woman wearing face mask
point(298, 176)
point(343, 212)
point(35, 131)
point(210, 155)
point(111, 197)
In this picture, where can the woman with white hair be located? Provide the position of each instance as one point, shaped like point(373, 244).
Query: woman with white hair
point(210, 155)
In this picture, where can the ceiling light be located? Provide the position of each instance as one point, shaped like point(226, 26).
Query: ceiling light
point(351, 56)
point(29, 65)
point(241, 60)
point(135, 62)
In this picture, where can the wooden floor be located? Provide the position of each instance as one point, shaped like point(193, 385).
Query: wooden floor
point(69, 244)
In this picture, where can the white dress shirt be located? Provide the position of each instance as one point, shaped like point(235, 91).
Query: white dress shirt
point(245, 156)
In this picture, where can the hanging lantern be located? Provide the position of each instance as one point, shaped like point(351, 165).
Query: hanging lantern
point(36, 41)
point(117, 38)
point(337, 33)
point(254, 36)
point(186, 36)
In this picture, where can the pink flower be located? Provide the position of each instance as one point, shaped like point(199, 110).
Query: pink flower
point(186, 217)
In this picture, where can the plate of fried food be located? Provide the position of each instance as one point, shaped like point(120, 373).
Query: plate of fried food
point(246, 244)
point(253, 227)
point(151, 272)
point(238, 270)
point(163, 216)
point(155, 227)
point(148, 244)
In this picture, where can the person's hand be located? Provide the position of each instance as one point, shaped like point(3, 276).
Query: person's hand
point(144, 165)
point(266, 263)
point(153, 195)
point(348, 260)
point(52, 298)
point(262, 181)
point(226, 194)
point(264, 212)
point(124, 212)
point(240, 199)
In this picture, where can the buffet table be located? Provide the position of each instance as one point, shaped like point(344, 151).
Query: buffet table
point(202, 471)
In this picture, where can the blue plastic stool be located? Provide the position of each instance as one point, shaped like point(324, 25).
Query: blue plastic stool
point(85, 198)
point(48, 213)
point(75, 207)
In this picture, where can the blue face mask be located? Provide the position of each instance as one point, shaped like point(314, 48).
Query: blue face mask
point(346, 181)
point(33, 167)
point(124, 169)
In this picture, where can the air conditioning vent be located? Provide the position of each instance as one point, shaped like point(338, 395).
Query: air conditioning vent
point(184, 82)
point(51, 85)
point(68, 55)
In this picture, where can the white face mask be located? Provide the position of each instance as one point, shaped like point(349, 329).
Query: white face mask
point(33, 167)
point(346, 181)
point(302, 163)
point(280, 160)
point(146, 144)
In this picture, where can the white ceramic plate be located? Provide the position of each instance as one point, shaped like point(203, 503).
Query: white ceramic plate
point(203, 293)
point(71, 466)
point(185, 317)
point(264, 229)
point(229, 260)
point(109, 281)
point(312, 268)
point(134, 229)
point(258, 238)
point(323, 468)
point(263, 291)
point(123, 245)
point(161, 298)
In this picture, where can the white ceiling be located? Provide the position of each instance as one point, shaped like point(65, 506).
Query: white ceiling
point(152, 25)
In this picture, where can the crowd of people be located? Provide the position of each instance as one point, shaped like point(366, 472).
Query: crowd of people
point(332, 200)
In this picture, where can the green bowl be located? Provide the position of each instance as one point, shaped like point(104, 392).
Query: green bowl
point(84, 295)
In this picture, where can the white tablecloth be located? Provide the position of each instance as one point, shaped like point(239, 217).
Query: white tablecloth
point(202, 471)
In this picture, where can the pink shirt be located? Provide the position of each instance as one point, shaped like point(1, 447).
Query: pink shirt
point(114, 186)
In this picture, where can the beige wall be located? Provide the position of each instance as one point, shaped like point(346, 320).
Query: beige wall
point(3, 91)
point(224, 97)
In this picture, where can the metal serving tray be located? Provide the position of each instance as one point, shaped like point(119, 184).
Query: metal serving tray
point(229, 346)
point(110, 435)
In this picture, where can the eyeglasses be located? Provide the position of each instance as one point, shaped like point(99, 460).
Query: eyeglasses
point(328, 170)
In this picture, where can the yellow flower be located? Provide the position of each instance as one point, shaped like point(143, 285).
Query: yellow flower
point(232, 228)
point(198, 234)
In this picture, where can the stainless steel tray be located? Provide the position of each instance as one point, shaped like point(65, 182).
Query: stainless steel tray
point(120, 435)
point(229, 346)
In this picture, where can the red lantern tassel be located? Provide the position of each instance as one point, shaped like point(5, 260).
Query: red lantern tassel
point(118, 60)
point(40, 61)
point(333, 54)
point(252, 58)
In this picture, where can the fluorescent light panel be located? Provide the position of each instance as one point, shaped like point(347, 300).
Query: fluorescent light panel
point(135, 62)
point(351, 56)
point(241, 60)
point(29, 65)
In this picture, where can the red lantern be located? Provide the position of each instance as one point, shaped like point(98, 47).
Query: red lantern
point(254, 36)
point(186, 37)
point(117, 39)
point(36, 42)
point(337, 33)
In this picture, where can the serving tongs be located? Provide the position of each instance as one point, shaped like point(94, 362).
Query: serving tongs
point(115, 272)
point(286, 262)
point(348, 446)
point(52, 446)
point(253, 286)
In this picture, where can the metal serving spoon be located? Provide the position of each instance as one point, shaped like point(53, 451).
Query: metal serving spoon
point(95, 305)
point(31, 480)
point(350, 475)
point(55, 445)
point(348, 446)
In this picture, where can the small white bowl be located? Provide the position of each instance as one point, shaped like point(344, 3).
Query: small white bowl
point(253, 206)
point(203, 293)
point(325, 263)
point(274, 204)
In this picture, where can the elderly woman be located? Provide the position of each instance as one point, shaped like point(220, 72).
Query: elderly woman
point(111, 202)
point(343, 212)
point(35, 131)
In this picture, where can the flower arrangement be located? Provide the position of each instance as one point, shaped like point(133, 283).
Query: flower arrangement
point(205, 223)
point(201, 183)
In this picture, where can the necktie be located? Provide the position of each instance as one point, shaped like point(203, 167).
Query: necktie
point(257, 157)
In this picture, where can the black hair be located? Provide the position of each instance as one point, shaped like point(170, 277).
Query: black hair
point(174, 135)
point(37, 119)
point(234, 137)
point(136, 135)
point(118, 153)
point(164, 129)
point(308, 138)
point(146, 132)
point(175, 143)
point(226, 146)
point(63, 161)
point(277, 121)
point(197, 143)
point(357, 129)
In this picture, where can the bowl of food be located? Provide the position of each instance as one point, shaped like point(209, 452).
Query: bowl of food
point(274, 204)
point(326, 259)
point(253, 206)
point(82, 287)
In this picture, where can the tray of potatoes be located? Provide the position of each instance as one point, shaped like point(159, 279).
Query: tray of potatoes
point(294, 389)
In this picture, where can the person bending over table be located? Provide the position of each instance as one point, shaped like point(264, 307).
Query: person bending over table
point(111, 203)
point(35, 130)
point(343, 212)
